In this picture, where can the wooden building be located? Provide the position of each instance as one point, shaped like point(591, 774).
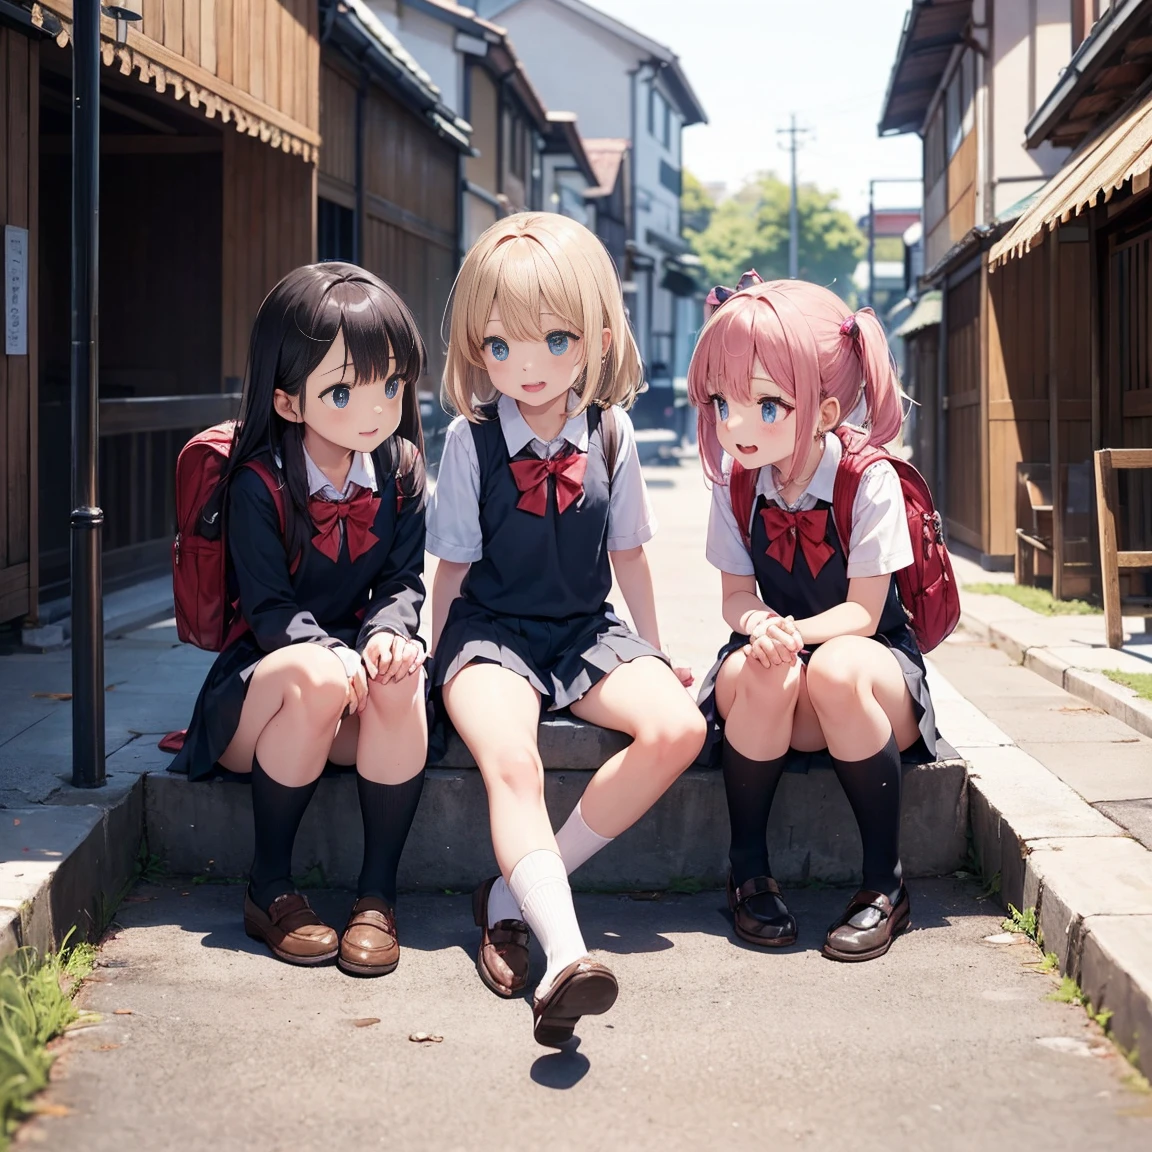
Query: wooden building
point(210, 137)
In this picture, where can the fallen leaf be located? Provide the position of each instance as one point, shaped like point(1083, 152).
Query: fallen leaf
point(425, 1038)
point(365, 1021)
point(15, 823)
point(122, 1012)
point(107, 1047)
point(51, 695)
point(51, 1109)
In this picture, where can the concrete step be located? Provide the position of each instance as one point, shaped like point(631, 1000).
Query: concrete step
point(206, 828)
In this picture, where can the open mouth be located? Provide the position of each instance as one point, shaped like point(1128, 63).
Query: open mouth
point(538, 386)
point(747, 449)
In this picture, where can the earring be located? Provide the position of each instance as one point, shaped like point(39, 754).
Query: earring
point(819, 435)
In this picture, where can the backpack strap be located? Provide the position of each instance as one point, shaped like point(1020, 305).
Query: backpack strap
point(609, 438)
point(277, 493)
point(855, 459)
point(742, 492)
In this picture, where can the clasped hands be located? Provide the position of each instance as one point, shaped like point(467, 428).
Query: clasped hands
point(386, 658)
point(773, 639)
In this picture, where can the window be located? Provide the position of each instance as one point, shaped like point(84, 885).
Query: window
point(334, 231)
point(670, 177)
point(659, 117)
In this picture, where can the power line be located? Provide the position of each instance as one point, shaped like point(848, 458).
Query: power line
point(794, 145)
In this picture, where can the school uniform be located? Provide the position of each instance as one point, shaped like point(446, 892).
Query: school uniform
point(802, 568)
point(361, 574)
point(536, 521)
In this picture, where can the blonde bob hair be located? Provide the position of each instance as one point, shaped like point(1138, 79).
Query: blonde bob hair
point(529, 263)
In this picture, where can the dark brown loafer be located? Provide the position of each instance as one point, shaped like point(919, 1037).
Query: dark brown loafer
point(503, 957)
point(878, 921)
point(369, 945)
point(292, 931)
point(585, 988)
point(750, 926)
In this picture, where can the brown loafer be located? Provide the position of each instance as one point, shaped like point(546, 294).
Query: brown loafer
point(879, 922)
point(292, 931)
point(502, 960)
point(585, 988)
point(750, 926)
point(369, 945)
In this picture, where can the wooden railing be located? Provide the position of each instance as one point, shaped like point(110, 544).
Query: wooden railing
point(1112, 560)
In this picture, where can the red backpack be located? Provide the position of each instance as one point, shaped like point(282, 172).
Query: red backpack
point(927, 587)
point(205, 616)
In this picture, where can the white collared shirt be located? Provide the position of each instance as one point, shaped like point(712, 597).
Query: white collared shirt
point(879, 542)
point(454, 509)
point(362, 473)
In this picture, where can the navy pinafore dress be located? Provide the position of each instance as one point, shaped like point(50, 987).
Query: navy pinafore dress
point(536, 600)
point(800, 594)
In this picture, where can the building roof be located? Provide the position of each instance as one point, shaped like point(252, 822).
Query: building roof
point(353, 26)
point(606, 154)
point(927, 312)
point(932, 29)
point(564, 137)
point(1112, 63)
point(1100, 168)
point(672, 73)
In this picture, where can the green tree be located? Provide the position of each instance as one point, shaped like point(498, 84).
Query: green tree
point(696, 204)
point(750, 230)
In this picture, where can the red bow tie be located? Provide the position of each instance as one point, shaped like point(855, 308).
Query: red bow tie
point(357, 514)
point(785, 528)
point(531, 476)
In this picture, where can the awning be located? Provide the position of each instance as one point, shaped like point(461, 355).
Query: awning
point(1121, 153)
point(924, 315)
point(167, 70)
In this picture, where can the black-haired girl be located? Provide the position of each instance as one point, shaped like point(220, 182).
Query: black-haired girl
point(330, 667)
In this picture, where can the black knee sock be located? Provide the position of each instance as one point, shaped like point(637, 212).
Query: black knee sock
point(873, 789)
point(276, 812)
point(387, 811)
point(750, 786)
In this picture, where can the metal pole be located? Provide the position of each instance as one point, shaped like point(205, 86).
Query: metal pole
point(871, 243)
point(87, 517)
point(793, 215)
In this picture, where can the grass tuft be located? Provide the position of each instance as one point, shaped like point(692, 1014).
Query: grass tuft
point(1139, 682)
point(35, 1005)
point(1017, 921)
point(1037, 599)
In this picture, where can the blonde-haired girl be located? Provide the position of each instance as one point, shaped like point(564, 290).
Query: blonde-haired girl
point(539, 485)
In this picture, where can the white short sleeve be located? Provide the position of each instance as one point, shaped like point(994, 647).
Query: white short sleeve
point(631, 521)
point(724, 547)
point(453, 523)
point(880, 544)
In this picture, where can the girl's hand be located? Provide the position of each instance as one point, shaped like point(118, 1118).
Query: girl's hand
point(357, 692)
point(684, 675)
point(389, 657)
point(775, 641)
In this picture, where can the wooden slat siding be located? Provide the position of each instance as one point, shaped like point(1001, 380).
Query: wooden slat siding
point(192, 30)
point(153, 23)
point(312, 71)
point(225, 38)
point(242, 44)
point(338, 126)
point(256, 48)
point(208, 53)
point(272, 53)
point(174, 25)
point(965, 466)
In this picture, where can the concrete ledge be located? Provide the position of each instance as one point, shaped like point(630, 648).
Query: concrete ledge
point(1116, 976)
point(207, 828)
point(65, 865)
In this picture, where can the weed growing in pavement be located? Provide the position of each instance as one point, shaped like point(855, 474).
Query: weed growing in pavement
point(1139, 682)
point(1069, 992)
point(1049, 964)
point(148, 869)
point(687, 885)
point(1036, 599)
point(35, 1005)
point(312, 878)
point(1017, 921)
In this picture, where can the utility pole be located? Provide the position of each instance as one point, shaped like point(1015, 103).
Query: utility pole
point(795, 135)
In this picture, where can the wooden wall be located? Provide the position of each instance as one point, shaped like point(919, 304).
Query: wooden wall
point(19, 172)
point(269, 229)
point(921, 381)
point(964, 497)
point(950, 205)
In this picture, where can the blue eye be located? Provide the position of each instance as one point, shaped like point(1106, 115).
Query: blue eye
point(721, 407)
point(769, 411)
point(392, 387)
point(338, 396)
point(497, 347)
point(557, 343)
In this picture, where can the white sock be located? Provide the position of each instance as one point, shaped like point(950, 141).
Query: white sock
point(501, 905)
point(539, 884)
point(577, 842)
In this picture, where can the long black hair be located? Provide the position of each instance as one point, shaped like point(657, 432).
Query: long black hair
point(295, 327)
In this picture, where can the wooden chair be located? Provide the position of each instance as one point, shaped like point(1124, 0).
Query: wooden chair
point(1113, 561)
point(1033, 519)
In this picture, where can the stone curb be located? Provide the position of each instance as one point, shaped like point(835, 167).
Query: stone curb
point(66, 864)
point(1091, 686)
point(1089, 882)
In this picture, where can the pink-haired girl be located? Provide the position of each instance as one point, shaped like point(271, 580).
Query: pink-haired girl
point(821, 644)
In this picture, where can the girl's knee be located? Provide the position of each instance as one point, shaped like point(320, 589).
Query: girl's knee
point(396, 698)
point(515, 770)
point(835, 674)
point(675, 739)
point(759, 682)
point(314, 679)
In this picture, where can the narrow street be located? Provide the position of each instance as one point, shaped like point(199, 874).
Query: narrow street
point(204, 1041)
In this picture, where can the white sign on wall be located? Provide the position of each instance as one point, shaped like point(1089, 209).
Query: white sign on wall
point(15, 291)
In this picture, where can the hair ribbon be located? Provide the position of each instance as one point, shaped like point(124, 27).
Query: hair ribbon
point(720, 294)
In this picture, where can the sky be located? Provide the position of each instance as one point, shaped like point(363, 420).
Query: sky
point(752, 63)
